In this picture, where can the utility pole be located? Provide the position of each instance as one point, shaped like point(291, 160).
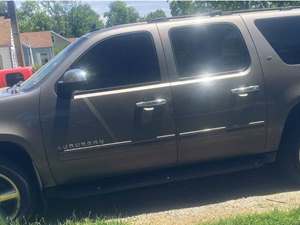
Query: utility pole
point(11, 9)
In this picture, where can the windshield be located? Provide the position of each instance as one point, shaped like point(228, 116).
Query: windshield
point(48, 68)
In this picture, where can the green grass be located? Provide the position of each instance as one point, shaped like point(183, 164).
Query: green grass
point(73, 221)
point(291, 217)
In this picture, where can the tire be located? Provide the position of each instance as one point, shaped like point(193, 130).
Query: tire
point(289, 155)
point(21, 202)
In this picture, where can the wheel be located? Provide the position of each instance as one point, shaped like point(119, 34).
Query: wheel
point(16, 193)
point(289, 156)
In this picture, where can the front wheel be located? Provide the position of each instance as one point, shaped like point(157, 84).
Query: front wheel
point(16, 193)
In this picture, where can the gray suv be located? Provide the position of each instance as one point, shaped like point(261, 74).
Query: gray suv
point(154, 102)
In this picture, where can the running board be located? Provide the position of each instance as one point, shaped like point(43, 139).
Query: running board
point(120, 183)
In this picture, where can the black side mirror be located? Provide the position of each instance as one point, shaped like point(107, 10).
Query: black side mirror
point(73, 80)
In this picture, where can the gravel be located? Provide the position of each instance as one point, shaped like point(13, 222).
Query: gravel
point(211, 212)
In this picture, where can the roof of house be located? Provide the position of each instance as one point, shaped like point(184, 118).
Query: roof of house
point(41, 39)
point(72, 39)
point(5, 32)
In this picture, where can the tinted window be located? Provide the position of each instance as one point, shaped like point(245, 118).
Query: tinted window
point(214, 48)
point(13, 78)
point(283, 34)
point(121, 60)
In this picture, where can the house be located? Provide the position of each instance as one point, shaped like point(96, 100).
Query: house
point(40, 47)
point(7, 48)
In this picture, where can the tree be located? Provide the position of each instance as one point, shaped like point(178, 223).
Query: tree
point(68, 18)
point(82, 19)
point(120, 13)
point(179, 8)
point(32, 17)
point(3, 8)
point(58, 11)
point(156, 14)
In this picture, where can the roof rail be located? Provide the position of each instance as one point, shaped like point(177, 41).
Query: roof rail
point(221, 13)
point(260, 10)
point(163, 19)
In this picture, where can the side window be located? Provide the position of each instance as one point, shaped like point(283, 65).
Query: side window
point(213, 48)
point(121, 60)
point(283, 34)
point(13, 78)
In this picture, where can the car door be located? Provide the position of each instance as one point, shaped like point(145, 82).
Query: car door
point(121, 121)
point(217, 88)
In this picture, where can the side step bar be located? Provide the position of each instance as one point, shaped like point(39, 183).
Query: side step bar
point(119, 183)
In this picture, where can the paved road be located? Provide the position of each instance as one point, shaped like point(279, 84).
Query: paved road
point(180, 195)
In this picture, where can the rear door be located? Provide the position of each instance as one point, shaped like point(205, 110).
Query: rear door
point(217, 87)
point(277, 38)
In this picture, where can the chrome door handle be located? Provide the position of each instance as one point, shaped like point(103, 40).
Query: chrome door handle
point(152, 103)
point(245, 90)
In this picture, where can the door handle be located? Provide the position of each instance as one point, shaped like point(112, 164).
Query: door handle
point(243, 91)
point(152, 103)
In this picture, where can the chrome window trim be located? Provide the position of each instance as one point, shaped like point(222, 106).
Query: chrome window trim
point(203, 78)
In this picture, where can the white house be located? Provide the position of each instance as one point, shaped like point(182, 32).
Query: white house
point(40, 47)
point(7, 48)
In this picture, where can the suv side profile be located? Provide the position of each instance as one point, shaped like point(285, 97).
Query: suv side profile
point(151, 103)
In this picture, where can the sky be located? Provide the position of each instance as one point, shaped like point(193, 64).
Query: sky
point(143, 7)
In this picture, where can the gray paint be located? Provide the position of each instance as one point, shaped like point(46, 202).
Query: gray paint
point(40, 121)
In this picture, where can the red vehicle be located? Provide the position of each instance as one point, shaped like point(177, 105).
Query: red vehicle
point(9, 77)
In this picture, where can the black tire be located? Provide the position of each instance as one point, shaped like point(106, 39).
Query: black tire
point(25, 187)
point(289, 155)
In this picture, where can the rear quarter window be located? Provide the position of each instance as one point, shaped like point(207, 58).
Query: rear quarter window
point(283, 34)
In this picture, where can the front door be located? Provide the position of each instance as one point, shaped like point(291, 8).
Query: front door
point(121, 121)
point(218, 93)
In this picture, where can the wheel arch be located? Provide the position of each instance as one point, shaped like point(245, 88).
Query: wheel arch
point(292, 122)
point(16, 150)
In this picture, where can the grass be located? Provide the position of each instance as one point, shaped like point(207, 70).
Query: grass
point(73, 221)
point(291, 217)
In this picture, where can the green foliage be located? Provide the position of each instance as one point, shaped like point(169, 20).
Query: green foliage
point(179, 8)
point(156, 14)
point(3, 8)
point(82, 19)
point(71, 221)
point(68, 18)
point(32, 17)
point(120, 13)
point(275, 217)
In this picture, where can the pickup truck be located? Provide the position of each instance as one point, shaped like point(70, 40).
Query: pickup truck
point(151, 103)
point(12, 76)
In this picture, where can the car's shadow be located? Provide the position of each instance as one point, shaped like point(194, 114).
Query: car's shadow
point(190, 193)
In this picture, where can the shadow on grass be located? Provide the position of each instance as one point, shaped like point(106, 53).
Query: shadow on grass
point(185, 194)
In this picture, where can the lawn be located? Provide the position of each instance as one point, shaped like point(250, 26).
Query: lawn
point(291, 217)
point(276, 217)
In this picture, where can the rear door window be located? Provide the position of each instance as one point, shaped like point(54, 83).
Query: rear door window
point(206, 49)
point(283, 34)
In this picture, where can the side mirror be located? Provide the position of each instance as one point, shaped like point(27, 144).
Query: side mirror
point(73, 80)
